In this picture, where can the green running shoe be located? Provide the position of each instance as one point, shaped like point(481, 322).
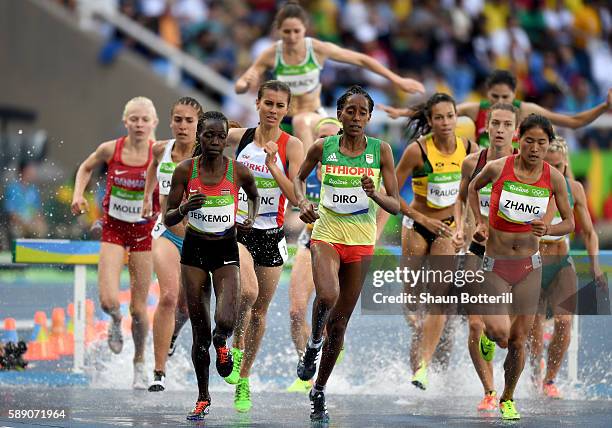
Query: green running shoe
point(487, 347)
point(234, 376)
point(242, 397)
point(420, 377)
point(303, 386)
point(508, 411)
point(340, 356)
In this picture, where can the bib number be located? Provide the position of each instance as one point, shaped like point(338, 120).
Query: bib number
point(344, 195)
point(216, 215)
point(522, 203)
point(442, 189)
point(126, 205)
point(484, 198)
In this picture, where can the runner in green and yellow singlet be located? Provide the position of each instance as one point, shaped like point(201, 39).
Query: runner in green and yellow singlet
point(298, 60)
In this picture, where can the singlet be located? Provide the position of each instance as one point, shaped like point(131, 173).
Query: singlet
point(439, 178)
point(218, 213)
point(301, 78)
point(514, 203)
point(484, 194)
point(346, 214)
point(165, 169)
point(273, 203)
point(125, 187)
point(557, 217)
point(482, 136)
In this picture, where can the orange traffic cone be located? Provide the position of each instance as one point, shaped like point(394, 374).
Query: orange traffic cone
point(90, 331)
point(10, 331)
point(39, 347)
point(61, 341)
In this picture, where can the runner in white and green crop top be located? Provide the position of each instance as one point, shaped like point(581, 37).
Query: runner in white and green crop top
point(171, 313)
point(345, 229)
point(297, 61)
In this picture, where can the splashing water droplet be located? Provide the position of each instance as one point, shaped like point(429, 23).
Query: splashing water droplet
point(20, 131)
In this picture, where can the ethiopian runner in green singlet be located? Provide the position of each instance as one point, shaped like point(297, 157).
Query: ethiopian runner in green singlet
point(344, 231)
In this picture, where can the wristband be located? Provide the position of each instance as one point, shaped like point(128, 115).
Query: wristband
point(179, 210)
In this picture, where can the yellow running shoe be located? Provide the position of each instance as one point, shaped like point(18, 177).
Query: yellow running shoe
point(420, 377)
point(508, 411)
point(340, 356)
point(487, 347)
point(489, 402)
point(303, 386)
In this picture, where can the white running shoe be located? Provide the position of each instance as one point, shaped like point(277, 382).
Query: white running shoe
point(159, 381)
point(140, 376)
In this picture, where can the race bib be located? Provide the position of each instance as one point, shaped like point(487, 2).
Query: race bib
point(215, 216)
point(484, 199)
point(164, 177)
point(522, 203)
point(159, 228)
point(269, 193)
point(344, 195)
point(442, 189)
point(126, 205)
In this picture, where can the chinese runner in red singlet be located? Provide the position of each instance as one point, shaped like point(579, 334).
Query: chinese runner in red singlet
point(522, 187)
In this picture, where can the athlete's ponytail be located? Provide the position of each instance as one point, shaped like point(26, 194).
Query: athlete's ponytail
point(418, 124)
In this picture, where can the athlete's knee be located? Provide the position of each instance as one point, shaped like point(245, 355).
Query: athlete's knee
point(563, 323)
point(108, 305)
point(248, 296)
point(168, 301)
point(138, 311)
point(328, 298)
point(499, 335)
point(517, 341)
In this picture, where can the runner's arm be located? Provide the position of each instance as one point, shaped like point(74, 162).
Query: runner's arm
point(294, 154)
point(583, 218)
point(175, 211)
point(562, 200)
point(103, 154)
point(389, 199)
point(458, 212)
point(576, 121)
point(335, 52)
point(247, 182)
point(313, 157)
point(251, 77)
point(469, 109)
point(408, 162)
point(151, 179)
point(489, 174)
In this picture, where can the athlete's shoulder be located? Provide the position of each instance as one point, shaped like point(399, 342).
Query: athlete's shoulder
point(184, 165)
point(471, 159)
point(106, 149)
